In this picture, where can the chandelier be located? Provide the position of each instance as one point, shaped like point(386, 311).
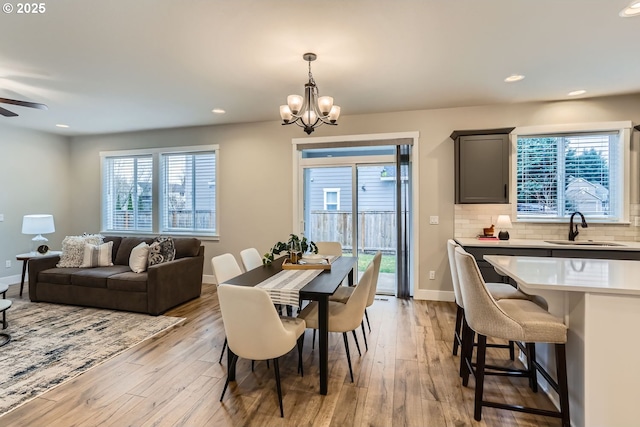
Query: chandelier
point(312, 110)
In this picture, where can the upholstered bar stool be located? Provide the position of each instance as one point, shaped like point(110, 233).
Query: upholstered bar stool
point(513, 320)
point(498, 291)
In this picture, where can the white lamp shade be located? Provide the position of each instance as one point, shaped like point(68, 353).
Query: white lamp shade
point(38, 224)
point(334, 114)
point(503, 222)
point(285, 113)
point(325, 103)
point(295, 103)
point(309, 117)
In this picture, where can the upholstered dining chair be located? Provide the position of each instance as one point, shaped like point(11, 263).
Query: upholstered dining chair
point(263, 335)
point(224, 268)
point(5, 304)
point(329, 248)
point(343, 317)
point(513, 320)
point(343, 293)
point(251, 258)
point(498, 291)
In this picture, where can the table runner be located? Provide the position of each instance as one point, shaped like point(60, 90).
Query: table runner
point(284, 287)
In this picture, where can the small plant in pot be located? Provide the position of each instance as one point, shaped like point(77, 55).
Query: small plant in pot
point(295, 247)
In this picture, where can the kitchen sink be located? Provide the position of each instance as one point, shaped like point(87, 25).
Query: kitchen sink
point(583, 243)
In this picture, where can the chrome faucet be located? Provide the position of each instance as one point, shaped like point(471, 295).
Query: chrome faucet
point(573, 229)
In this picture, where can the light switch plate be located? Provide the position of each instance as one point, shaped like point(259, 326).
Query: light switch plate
point(434, 220)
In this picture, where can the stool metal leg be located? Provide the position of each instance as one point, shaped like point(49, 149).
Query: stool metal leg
point(563, 387)
point(480, 361)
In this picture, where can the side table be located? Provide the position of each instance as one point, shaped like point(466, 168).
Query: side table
point(31, 255)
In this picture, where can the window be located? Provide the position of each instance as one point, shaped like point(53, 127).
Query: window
point(563, 172)
point(331, 199)
point(127, 193)
point(160, 191)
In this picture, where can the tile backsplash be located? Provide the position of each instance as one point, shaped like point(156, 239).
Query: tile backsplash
point(471, 219)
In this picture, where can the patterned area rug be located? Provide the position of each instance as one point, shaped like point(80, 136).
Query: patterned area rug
point(54, 343)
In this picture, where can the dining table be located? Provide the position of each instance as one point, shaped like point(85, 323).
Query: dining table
point(599, 301)
point(319, 289)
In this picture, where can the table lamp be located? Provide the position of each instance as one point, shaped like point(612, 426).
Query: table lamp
point(502, 223)
point(38, 224)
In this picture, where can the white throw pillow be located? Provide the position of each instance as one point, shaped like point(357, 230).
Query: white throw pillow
point(97, 255)
point(73, 249)
point(138, 258)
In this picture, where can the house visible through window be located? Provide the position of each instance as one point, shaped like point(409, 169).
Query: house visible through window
point(183, 201)
point(331, 199)
point(558, 174)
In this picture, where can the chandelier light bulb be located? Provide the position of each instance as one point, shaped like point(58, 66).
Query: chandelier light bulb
point(325, 103)
point(295, 103)
point(334, 114)
point(285, 113)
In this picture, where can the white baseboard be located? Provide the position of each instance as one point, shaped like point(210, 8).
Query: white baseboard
point(209, 278)
point(429, 295)
point(13, 280)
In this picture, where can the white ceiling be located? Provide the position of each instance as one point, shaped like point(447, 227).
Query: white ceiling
point(120, 65)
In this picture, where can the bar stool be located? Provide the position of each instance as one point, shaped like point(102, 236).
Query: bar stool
point(4, 337)
point(498, 291)
point(513, 320)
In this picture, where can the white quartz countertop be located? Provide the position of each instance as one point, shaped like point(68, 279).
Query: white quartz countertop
point(603, 276)
point(586, 245)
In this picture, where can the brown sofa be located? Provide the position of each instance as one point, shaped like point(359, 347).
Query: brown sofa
point(160, 288)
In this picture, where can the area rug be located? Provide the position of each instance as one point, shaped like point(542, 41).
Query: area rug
point(54, 343)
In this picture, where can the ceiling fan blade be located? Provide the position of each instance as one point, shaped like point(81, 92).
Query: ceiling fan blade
point(7, 113)
point(24, 103)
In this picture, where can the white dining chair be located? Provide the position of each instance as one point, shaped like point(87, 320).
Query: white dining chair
point(329, 248)
point(251, 258)
point(343, 317)
point(263, 335)
point(224, 268)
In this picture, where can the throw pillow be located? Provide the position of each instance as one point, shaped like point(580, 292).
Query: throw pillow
point(138, 258)
point(73, 249)
point(97, 255)
point(162, 249)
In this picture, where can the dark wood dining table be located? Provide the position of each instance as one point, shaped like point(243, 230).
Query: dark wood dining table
point(319, 289)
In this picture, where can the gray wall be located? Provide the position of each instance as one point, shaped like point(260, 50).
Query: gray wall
point(256, 170)
point(34, 177)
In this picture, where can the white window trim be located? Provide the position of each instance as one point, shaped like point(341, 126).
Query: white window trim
point(331, 190)
point(624, 127)
point(156, 188)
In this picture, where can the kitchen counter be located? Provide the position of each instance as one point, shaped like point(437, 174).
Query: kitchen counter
point(585, 245)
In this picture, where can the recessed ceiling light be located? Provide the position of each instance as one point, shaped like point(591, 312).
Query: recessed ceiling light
point(632, 10)
point(218, 111)
point(577, 92)
point(62, 126)
point(514, 78)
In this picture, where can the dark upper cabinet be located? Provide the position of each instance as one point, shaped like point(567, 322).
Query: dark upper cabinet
point(482, 165)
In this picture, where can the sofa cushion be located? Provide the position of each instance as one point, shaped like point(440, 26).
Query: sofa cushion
point(186, 246)
point(116, 244)
point(96, 277)
point(126, 245)
point(129, 281)
point(58, 275)
point(73, 249)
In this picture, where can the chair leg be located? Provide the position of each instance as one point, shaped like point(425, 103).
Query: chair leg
point(468, 336)
point(366, 346)
point(457, 333)
point(366, 315)
point(276, 367)
point(313, 340)
point(482, 350)
point(355, 338)
point(234, 359)
point(253, 362)
point(531, 364)
point(346, 347)
point(563, 388)
point(512, 350)
point(300, 345)
point(224, 347)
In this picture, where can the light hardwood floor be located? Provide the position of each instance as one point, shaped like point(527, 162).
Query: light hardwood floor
point(407, 378)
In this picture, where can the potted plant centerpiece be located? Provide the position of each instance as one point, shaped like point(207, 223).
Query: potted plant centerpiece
point(295, 247)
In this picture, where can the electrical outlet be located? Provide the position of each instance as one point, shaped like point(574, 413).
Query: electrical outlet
point(7, 263)
point(432, 275)
point(434, 220)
